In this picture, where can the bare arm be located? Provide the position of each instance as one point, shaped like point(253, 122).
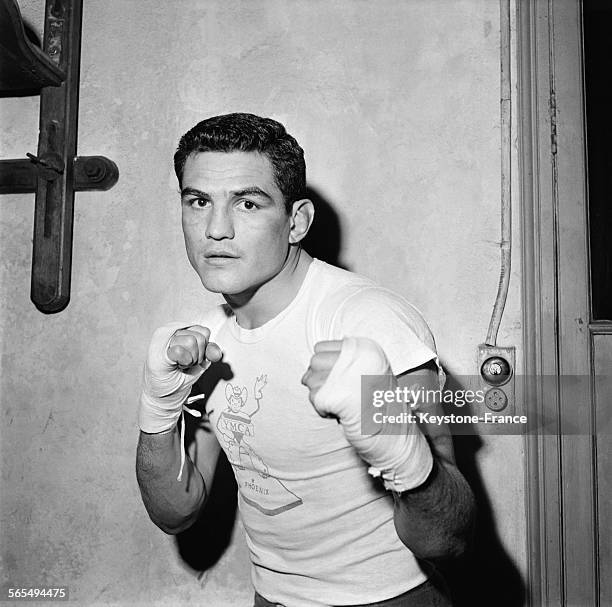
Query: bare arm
point(435, 520)
point(176, 358)
point(174, 505)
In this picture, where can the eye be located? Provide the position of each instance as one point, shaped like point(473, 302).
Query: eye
point(196, 203)
point(248, 205)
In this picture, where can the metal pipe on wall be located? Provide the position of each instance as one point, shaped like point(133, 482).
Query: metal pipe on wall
point(506, 205)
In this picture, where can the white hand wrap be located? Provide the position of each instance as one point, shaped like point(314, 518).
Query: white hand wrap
point(165, 387)
point(400, 454)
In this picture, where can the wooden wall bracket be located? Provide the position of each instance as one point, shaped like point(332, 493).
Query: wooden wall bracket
point(55, 173)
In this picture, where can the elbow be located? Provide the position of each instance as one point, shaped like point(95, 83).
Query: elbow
point(172, 510)
point(445, 541)
point(176, 526)
point(438, 546)
point(443, 549)
point(174, 529)
point(172, 520)
point(452, 544)
point(456, 542)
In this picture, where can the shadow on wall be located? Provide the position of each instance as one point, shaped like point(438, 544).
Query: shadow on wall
point(485, 576)
point(324, 240)
point(204, 543)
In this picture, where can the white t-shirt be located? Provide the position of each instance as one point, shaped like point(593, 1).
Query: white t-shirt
point(319, 528)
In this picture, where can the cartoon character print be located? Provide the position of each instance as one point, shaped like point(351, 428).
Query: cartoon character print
point(236, 426)
point(236, 429)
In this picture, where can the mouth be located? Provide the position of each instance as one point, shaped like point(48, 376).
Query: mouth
point(220, 257)
point(220, 253)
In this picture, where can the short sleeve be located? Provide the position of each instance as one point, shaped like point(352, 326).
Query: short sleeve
point(396, 325)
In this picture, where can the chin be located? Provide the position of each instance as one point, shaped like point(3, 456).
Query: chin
point(225, 285)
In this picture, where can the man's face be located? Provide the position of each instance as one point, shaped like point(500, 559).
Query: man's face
point(234, 220)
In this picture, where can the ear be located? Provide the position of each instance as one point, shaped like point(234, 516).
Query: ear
point(302, 216)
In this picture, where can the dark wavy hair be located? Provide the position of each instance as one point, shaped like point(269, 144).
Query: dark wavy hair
point(249, 133)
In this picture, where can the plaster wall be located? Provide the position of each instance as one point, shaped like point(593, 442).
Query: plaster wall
point(396, 105)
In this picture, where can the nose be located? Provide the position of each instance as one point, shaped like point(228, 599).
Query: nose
point(220, 224)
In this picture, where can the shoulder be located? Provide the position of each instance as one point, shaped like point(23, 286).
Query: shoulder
point(333, 286)
point(376, 304)
point(330, 288)
point(345, 298)
point(351, 305)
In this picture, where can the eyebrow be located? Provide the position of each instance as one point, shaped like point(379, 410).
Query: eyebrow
point(248, 191)
point(194, 192)
point(252, 191)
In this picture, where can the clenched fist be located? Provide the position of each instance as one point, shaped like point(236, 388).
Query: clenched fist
point(401, 455)
point(335, 372)
point(191, 346)
point(177, 356)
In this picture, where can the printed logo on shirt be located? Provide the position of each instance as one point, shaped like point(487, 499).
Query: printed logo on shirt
point(235, 425)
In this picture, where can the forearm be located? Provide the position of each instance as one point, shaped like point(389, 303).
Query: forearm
point(435, 520)
point(172, 505)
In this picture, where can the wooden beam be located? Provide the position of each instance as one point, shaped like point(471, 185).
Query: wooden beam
point(90, 173)
point(54, 209)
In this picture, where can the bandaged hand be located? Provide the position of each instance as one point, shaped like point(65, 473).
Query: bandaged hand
point(400, 454)
point(177, 356)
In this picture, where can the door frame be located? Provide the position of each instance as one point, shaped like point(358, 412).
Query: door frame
point(560, 469)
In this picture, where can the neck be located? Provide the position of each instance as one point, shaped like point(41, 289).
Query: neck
point(261, 304)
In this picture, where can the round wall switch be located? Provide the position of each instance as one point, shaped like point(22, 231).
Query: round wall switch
point(496, 371)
